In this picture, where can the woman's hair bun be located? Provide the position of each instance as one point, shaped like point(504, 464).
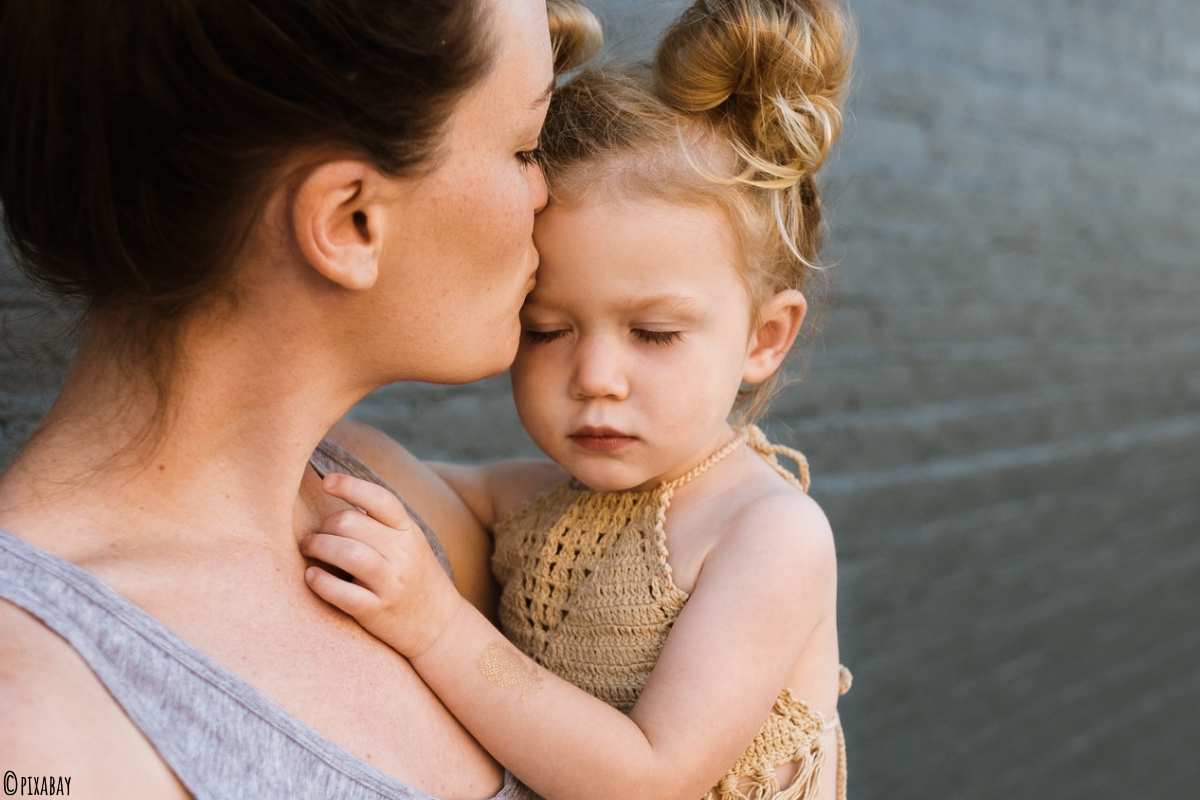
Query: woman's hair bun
point(771, 74)
point(575, 34)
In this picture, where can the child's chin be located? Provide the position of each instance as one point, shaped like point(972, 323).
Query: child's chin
point(599, 481)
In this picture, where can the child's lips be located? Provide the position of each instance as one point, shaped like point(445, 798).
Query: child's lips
point(601, 439)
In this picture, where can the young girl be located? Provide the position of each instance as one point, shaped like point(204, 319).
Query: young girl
point(679, 574)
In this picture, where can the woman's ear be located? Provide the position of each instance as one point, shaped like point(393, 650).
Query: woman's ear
point(337, 217)
point(779, 321)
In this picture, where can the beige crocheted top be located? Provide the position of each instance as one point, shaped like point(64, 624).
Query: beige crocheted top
point(587, 592)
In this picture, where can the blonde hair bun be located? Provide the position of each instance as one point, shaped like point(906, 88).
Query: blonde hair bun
point(575, 34)
point(770, 74)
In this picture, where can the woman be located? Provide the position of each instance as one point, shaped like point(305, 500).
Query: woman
point(270, 210)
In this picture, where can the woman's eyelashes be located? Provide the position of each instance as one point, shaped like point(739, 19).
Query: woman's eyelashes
point(529, 158)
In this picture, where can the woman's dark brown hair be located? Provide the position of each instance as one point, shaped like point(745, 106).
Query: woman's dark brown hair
point(140, 138)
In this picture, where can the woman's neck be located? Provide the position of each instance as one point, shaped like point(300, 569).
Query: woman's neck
point(228, 449)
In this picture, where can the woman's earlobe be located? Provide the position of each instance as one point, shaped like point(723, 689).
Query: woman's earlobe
point(337, 222)
point(779, 321)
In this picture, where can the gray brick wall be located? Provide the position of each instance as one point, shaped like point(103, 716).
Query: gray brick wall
point(1002, 406)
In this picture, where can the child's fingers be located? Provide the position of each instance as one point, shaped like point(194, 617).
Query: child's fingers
point(393, 545)
point(372, 498)
point(348, 555)
point(349, 597)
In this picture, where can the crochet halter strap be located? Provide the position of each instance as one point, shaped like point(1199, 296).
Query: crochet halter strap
point(749, 435)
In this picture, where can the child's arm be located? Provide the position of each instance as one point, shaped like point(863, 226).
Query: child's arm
point(494, 489)
point(760, 597)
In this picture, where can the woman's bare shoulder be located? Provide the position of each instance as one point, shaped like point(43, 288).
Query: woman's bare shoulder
point(56, 718)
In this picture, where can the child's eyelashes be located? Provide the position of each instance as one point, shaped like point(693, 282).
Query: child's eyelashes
point(542, 337)
point(657, 337)
point(533, 336)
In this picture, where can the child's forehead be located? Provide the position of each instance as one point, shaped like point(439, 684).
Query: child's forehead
point(688, 161)
point(680, 300)
point(634, 251)
point(670, 302)
point(637, 210)
point(681, 292)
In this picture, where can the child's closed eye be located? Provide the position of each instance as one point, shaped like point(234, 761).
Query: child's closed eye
point(542, 337)
point(657, 337)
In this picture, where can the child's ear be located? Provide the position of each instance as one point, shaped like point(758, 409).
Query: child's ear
point(779, 323)
point(337, 219)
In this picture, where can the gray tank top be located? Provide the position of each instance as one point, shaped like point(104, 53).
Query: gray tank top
point(222, 737)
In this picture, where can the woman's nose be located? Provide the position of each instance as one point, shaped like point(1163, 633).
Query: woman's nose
point(598, 372)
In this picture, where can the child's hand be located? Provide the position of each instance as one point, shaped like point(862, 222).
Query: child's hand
point(400, 592)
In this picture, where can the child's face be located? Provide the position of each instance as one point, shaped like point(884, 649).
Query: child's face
point(634, 342)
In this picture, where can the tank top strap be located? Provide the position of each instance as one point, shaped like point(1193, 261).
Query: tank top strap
point(221, 736)
point(758, 441)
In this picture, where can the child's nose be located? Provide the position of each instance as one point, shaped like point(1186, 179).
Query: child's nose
point(598, 371)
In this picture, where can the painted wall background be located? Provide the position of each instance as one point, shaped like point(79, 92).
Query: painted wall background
point(1002, 407)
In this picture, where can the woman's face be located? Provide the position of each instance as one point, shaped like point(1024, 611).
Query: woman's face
point(465, 261)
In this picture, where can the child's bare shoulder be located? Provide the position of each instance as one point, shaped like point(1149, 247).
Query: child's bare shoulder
point(517, 482)
point(494, 489)
point(781, 530)
point(771, 566)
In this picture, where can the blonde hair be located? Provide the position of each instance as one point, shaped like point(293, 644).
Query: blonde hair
point(739, 110)
point(575, 34)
